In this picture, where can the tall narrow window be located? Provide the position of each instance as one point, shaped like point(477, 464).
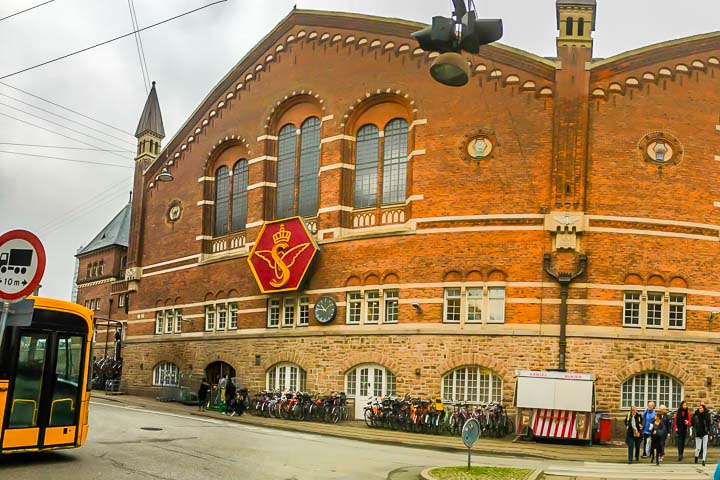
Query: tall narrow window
point(178, 320)
point(391, 306)
point(569, 26)
point(233, 316)
point(496, 305)
point(239, 196)
point(581, 27)
point(677, 311)
point(395, 161)
point(288, 312)
point(169, 320)
point(158, 322)
point(366, 166)
point(309, 167)
point(222, 193)
point(304, 317)
point(221, 316)
point(273, 312)
point(372, 306)
point(354, 305)
point(474, 304)
point(654, 309)
point(210, 317)
point(285, 191)
point(631, 311)
point(452, 305)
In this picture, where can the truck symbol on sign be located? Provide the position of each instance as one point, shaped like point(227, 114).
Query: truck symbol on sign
point(17, 260)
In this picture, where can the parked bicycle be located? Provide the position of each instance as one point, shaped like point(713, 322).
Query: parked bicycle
point(300, 406)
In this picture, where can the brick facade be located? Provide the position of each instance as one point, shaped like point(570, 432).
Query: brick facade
point(567, 175)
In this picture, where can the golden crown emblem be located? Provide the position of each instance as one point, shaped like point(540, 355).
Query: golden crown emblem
point(282, 235)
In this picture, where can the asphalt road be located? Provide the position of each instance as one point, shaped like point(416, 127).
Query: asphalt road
point(127, 442)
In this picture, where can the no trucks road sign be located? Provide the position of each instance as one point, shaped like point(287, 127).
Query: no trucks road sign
point(22, 264)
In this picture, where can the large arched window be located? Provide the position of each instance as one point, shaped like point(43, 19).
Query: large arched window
point(286, 376)
point(298, 193)
point(239, 196)
point(473, 383)
point(366, 166)
point(165, 374)
point(222, 195)
point(381, 164)
point(652, 387)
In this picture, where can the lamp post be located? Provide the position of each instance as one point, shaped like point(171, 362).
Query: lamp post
point(564, 279)
point(450, 36)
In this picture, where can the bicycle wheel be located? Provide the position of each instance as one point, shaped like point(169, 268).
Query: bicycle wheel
point(368, 415)
point(336, 414)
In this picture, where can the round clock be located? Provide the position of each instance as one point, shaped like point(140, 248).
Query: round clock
point(325, 309)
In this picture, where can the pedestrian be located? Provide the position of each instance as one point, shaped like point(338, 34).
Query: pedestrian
point(220, 395)
point(658, 432)
point(648, 419)
point(229, 395)
point(701, 424)
point(202, 394)
point(667, 422)
point(633, 434)
point(681, 425)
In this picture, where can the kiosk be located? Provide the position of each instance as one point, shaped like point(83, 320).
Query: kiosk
point(555, 404)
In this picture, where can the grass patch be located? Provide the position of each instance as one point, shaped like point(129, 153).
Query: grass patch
point(480, 473)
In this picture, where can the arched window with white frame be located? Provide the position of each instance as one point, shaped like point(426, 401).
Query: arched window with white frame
point(165, 374)
point(286, 376)
point(655, 387)
point(473, 384)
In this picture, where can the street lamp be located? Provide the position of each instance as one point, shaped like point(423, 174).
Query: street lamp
point(450, 36)
point(164, 176)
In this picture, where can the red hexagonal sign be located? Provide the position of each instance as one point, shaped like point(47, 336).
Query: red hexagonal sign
point(282, 255)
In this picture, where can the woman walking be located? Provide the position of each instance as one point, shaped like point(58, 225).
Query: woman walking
point(701, 424)
point(202, 394)
point(633, 434)
point(681, 425)
point(658, 432)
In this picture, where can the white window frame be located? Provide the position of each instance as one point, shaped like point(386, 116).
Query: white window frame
point(121, 300)
point(632, 307)
point(178, 320)
point(661, 303)
point(165, 374)
point(372, 307)
point(647, 387)
point(233, 318)
point(471, 383)
point(169, 320)
point(477, 301)
point(303, 319)
point(392, 306)
point(274, 312)
point(682, 311)
point(496, 305)
point(159, 319)
point(222, 317)
point(280, 377)
point(209, 318)
point(353, 314)
point(449, 294)
point(289, 317)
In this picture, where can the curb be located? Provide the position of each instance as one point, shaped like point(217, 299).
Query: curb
point(425, 474)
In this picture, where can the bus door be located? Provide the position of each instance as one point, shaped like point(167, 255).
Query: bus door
point(43, 400)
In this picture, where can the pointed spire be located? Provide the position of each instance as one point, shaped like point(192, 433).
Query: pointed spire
point(151, 118)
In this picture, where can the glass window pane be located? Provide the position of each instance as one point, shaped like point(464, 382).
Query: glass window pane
point(367, 144)
point(452, 304)
point(391, 384)
point(378, 382)
point(354, 304)
point(496, 305)
point(309, 167)
point(285, 191)
point(239, 196)
point(391, 306)
point(222, 193)
point(631, 313)
point(28, 381)
point(395, 161)
point(372, 302)
point(350, 382)
point(67, 372)
point(364, 382)
point(654, 309)
point(474, 304)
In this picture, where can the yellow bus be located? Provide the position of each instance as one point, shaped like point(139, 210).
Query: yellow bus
point(45, 370)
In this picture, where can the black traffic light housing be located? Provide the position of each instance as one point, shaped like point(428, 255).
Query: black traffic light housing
point(478, 32)
point(440, 37)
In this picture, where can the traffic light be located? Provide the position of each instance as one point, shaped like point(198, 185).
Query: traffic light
point(478, 32)
point(440, 37)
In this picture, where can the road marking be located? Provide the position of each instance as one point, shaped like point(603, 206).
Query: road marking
point(143, 410)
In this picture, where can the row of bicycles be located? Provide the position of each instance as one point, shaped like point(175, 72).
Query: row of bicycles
point(434, 416)
point(713, 436)
point(300, 406)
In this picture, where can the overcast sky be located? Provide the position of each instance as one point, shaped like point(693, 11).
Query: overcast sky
point(66, 204)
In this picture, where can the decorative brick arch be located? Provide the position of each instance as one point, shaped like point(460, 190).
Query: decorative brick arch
point(219, 148)
point(461, 359)
point(286, 357)
point(358, 358)
point(654, 365)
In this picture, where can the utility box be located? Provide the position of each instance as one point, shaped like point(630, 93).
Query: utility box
point(555, 404)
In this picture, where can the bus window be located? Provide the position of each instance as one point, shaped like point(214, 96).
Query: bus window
point(28, 381)
point(67, 375)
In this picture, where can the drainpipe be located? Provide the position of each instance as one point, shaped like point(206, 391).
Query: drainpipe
point(564, 279)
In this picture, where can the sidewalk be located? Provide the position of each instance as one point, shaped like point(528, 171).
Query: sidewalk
point(356, 430)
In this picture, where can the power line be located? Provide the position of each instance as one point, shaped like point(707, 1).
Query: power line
point(26, 10)
point(143, 66)
point(60, 125)
point(68, 220)
point(53, 131)
point(111, 40)
point(67, 159)
point(66, 108)
point(34, 145)
point(65, 118)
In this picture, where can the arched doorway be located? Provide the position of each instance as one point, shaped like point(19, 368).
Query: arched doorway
point(217, 370)
point(365, 381)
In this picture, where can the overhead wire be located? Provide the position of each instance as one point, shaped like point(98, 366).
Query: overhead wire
point(62, 57)
point(63, 147)
point(65, 118)
point(90, 162)
point(56, 133)
point(66, 108)
point(26, 10)
point(138, 44)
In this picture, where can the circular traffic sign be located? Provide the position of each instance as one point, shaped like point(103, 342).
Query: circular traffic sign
point(470, 432)
point(22, 264)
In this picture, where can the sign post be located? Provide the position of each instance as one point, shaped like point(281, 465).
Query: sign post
point(22, 264)
point(470, 435)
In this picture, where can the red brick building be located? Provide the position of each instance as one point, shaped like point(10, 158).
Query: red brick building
point(444, 217)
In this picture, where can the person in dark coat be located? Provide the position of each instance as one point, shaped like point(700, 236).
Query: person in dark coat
point(681, 425)
point(658, 432)
point(701, 424)
point(229, 396)
point(202, 394)
point(633, 434)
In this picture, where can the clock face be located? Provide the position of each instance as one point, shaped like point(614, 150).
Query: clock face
point(325, 309)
